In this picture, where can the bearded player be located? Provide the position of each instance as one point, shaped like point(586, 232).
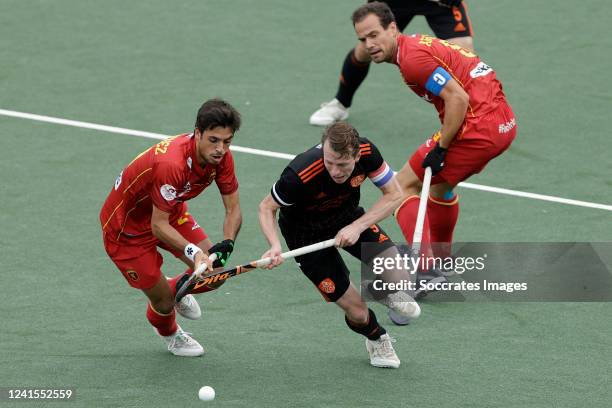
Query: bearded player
point(477, 122)
point(147, 210)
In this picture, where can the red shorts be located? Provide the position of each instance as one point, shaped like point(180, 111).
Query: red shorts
point(480, 141)
point(141, 266)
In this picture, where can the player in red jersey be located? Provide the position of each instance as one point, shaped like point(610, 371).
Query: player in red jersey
point(477, 122)
point(147, 209)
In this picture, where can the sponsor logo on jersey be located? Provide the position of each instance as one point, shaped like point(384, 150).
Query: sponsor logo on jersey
point(506, 127)
point(118, 180)
point(132, 275)
point(186, 189)
point(481, 69)
point(189, 162)
point(327, 286)
point(168, 192)
point(357, 180)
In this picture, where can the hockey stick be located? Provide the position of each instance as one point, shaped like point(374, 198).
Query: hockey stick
point(222, 274)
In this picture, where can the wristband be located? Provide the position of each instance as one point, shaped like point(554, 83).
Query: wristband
point(191, 250)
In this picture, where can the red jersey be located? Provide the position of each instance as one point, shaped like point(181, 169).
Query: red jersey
point(167, 175)
point(419, 56)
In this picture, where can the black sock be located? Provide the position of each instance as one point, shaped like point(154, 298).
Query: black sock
point(372, 330)
point(352, 75)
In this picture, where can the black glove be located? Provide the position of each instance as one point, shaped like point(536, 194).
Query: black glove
point(435, 159)
point(223, 250)
point(450, 3)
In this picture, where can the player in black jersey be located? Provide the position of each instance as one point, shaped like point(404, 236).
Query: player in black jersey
point(448, 19)
point(318, 197)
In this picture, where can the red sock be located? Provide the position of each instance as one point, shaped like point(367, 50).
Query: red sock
point(443, 216)
point(406, 216)
point(164, 323)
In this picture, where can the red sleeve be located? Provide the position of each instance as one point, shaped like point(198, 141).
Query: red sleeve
point(167, 180)
point(226, 177)
point(418, 66)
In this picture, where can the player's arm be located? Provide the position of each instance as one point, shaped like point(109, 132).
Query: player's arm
point(382, 208)
point(233, 215)
point(267, 221)
point(160, 225)
point(456, 102)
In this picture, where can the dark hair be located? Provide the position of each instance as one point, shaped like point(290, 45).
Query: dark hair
point(217, 113)
point(379, 9)
point(342, 138)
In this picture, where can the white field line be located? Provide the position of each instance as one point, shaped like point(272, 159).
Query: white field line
point(267, 153)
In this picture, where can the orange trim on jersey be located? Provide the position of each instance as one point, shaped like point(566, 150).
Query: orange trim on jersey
point(128, 214)
point(136, 179)
point(450, 71)
point(310, 172)
point(111, 216)
point(309, 167)
point(413, 197)
point(449, 203)
point(313, 175)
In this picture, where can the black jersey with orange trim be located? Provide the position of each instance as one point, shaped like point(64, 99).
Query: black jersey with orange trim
point(311, 200)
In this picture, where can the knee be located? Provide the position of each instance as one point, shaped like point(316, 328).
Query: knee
point(358, 313)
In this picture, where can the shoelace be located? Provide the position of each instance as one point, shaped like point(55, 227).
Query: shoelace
point(386, 347)
point(185, 303)
point(181, 337)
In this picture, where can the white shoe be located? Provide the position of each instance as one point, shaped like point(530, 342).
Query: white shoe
point(189, 308)
point(182, 344)
point(329, 113)
point(382, 353)
point(402, 304)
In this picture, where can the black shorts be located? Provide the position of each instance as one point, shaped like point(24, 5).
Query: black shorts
point(326, 268)
point(445, 22)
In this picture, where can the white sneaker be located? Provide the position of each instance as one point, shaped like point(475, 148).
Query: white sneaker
point(182, 344)
point(382, 353)
point(329, 113)
point(188, 307)
point(402, 304)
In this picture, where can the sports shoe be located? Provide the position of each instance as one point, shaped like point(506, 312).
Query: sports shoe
point(329, 113)
point(382, 353)
point(188, 307)
point(182, 344)
point(402, 304)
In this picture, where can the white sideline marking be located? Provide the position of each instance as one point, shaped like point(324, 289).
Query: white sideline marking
point(267, 153)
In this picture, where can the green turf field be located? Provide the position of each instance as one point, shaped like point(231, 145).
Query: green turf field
point(70, 319)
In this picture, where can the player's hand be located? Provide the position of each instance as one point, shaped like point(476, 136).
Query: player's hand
point(435, 159)
point(348, 236)
point(201, 261)
point(223, 250)
point(449, 3)
point(274, 252)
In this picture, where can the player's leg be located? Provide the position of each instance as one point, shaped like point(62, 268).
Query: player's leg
point(362, 320)
point(443, 212)
point(451, 23)
point(354, 70)
point(141, 267)
point(374, 243)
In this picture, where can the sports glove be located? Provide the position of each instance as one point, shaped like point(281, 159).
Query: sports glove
point(450, 3)
point(223, 250)
point(435, 159)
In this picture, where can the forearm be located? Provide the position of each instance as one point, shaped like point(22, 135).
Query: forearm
point(454, 115)
point(381, 209)
point(232, 224)
point(169, 235)
point(267, 222)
